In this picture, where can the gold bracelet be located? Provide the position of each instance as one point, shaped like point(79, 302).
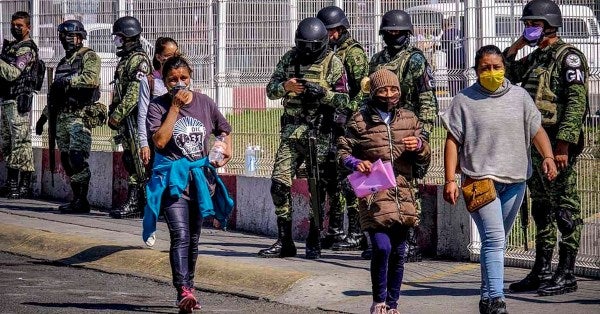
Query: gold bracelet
point(548, 158)
point(449, 181)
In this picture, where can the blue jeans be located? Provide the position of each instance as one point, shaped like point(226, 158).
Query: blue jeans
point(494, 222)
point(184, 222)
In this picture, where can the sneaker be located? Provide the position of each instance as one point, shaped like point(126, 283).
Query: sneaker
point(484, 306)
point(378, 308)
point(151, 239)
point(186, 301)
point(393, 311)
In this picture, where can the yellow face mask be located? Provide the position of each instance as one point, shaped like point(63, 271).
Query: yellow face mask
point(491, 79)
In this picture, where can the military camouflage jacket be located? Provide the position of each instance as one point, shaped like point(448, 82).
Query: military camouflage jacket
point(416, 81)
point(130, 70)
point(328, 73)
point(356, 65)
point(23, 60)
point(568, 83)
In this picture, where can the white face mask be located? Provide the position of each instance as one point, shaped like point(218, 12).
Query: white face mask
point(118, 41)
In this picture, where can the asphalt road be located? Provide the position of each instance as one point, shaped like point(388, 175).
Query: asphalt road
point(33, 286)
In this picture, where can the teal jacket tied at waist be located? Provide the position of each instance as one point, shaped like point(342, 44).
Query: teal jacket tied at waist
point(173, 176)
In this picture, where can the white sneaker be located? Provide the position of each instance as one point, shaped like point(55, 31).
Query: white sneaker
point(151, 240)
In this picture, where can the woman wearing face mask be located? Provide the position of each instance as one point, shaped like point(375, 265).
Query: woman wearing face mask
point(491, 126)
point(182, 178)
point(153, 87)
point(382, 130)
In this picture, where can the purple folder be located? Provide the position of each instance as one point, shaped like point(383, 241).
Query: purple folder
point(381, 178)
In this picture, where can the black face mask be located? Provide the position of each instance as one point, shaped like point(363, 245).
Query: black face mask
point(68, 42)
point(396, 41)
point(386, 103)
point(17, 33)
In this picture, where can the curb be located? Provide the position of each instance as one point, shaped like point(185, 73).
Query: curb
point(213, 274)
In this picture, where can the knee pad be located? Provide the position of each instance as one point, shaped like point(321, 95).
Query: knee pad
point(565, 222)
point(65, 161)
point(280, 193)
point(78, 161)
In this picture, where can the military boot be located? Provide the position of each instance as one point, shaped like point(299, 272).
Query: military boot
point(130, 208)
point(540, 274)
point(79, 204)
point(355, 239)
point(12, 183)
point(313, 243)
point(25, 184)
point(335, 231)
point(284, 246)
point(564, 280)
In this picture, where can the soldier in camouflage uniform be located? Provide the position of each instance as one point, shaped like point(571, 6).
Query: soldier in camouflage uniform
point(133, 66)
point(416, 87)
point(75, 88)
point(16, 63)
point(555, 76)
point(312, 83)
point(356, 66)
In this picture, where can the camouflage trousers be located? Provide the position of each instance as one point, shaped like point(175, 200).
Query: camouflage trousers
point(16, 137)
point(290, 155)
point(74, 141)
point(129, 146)
point(555, 206)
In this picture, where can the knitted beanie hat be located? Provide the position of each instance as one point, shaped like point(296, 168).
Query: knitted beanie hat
point(382, 78)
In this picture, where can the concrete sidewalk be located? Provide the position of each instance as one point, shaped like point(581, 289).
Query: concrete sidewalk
point(228, 263)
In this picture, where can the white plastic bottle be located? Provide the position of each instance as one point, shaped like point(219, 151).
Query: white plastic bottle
point(218, 149)
point(250, 159)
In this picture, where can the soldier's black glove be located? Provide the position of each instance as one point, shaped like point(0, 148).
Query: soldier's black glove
point(313, 92)
point(39, 126)
point(63, 82)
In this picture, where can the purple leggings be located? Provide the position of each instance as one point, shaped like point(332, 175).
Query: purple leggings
point(387, 263)
point(185, 223)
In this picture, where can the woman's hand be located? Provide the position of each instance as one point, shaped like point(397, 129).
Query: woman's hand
point(145, 155)
point(549, 168)
point(182, 98)
point(451, 192)
point(411, 143)
point(364, 167)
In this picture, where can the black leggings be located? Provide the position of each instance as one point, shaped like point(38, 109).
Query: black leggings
point(185, 223)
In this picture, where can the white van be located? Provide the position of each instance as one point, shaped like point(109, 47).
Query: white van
point(500, 25)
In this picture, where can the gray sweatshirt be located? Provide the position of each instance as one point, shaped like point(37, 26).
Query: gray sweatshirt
point(494, 131)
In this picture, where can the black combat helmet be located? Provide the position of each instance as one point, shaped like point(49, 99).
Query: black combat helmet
point(127, 26)
point(311, 37)
point(333, 17)
point(72, 27)
point(545, 10)
point(395, 20)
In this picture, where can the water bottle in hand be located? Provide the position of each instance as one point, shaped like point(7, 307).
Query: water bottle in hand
point(218, 149)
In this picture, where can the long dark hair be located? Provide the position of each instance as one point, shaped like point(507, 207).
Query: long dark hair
point(175, 63)
point(159, 48)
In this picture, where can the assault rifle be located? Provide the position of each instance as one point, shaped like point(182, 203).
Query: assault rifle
point(53, 100)
point(130, 137)
point(525, 218)
point(314, 171)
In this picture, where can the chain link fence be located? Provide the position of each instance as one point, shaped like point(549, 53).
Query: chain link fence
point(234, 46)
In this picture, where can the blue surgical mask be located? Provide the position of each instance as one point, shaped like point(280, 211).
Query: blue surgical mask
point(533, 35)
point(179, 86)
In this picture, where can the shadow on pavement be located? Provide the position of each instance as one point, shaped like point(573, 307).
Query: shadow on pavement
point(430, 290)
point(550, 299)
point(105, 306)
point(92, 254)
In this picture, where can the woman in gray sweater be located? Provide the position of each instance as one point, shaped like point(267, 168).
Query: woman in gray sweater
point(491, 126)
